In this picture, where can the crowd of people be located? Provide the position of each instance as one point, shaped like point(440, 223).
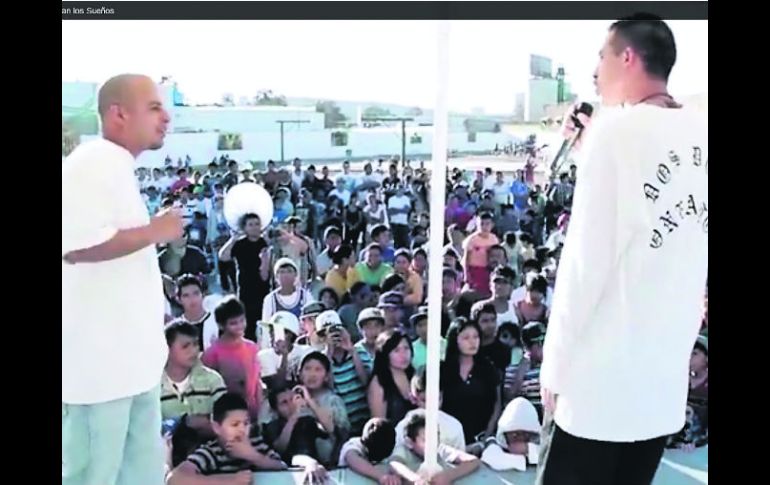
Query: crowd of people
point(301, 341)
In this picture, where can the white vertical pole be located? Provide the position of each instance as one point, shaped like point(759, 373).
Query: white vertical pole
point(435, 261)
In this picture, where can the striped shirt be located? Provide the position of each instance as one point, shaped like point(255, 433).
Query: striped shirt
point(204, 387)
point(530, 385)
point(349, 387)
point(212, 459)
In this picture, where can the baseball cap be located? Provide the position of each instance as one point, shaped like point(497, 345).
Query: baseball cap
point(326, 319)
point(422, 313)
point(312, 309)
point(532, 333)
point(370, 314)
point(284, 319)
point(285, 262)
point(391, 299)
point(332, 230)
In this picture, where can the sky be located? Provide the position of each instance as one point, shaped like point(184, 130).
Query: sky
point(362, 60)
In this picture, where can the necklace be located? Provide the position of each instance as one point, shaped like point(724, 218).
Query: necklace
point(668, 103)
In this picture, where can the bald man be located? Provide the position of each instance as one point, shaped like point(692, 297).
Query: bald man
point(113, 346)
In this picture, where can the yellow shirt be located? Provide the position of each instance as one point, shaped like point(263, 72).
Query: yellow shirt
point(339, 283)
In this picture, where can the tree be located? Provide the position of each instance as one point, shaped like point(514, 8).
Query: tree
point(415, 111)
point(376, 112)
point(265, 97)
point(332, 115)
point(228, 99)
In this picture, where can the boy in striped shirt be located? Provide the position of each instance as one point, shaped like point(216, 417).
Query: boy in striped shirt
point(231, 458)
point(523, 379)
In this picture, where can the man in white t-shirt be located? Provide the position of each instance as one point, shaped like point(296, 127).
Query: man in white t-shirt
point(628, 299)
point(399, 206)
point(341, 192)
point(113, 345)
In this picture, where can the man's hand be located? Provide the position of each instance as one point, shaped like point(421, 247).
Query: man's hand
point(242, 478)
point(241, 449)
point(315, 473)
point(568, 125)
point(167, 226)
point(549, 400)
point(345, 343)
point(281, 348)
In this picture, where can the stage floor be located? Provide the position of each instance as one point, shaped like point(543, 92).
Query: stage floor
point(676, 468)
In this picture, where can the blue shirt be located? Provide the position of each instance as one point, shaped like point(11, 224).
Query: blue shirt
point(520, 193)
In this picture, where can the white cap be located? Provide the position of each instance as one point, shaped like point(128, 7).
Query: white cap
point(284, 319)
point(327, 319)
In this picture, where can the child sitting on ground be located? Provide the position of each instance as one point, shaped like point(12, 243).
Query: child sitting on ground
point(234, 454)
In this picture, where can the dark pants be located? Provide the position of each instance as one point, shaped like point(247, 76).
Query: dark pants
point(569, 460)
point(227, 276)
point(400, 235)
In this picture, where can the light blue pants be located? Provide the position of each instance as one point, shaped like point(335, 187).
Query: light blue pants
point(113, 443)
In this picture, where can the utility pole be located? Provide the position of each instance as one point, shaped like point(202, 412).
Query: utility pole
point(282, 122)
point(403, 121)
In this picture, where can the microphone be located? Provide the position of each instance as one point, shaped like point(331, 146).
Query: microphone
point(569, 143)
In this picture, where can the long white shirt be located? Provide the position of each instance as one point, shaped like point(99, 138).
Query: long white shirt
point(112, 312)
point(629, 293)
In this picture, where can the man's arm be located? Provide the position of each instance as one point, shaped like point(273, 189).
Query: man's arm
point(226, 251)
point(465, 464)
point(594, 246)
point(361, 465)
point(161, 229)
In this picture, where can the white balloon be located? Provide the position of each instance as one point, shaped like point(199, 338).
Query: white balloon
point(247, 198)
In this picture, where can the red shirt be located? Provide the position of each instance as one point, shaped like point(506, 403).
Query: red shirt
point(239, 365)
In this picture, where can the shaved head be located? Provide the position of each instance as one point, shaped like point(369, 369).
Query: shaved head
point(132, 113)
point(118, 91)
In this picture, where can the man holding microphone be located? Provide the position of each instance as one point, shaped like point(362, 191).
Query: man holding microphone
point(113, 346)
point(628, 297)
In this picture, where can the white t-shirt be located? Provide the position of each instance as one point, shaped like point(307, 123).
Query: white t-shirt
point(520, 293)
point(343, 195)
point(501, 192)
point(449, 428)
point(297, 179)
point(397, 202)
point(629, 297)
point(379, 213)
point(270, 362)
point(210, 329)
point(112, 312)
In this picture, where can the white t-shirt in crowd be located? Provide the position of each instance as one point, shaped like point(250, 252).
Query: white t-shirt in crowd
point(629, 297)
point(297, 179)
point(520, 293)
point(210, 329)
point(501, 191)
point(112, 312)
point(343, 195)
point(270, 362)
point(401, 202)
point(380, 213)
point(449, 428)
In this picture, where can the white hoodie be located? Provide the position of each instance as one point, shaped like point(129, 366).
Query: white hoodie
point(518, 415)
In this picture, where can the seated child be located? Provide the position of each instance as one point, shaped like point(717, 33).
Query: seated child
point(234, 454)
point(291, 434)
point(409, 455)
point(375, 445)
